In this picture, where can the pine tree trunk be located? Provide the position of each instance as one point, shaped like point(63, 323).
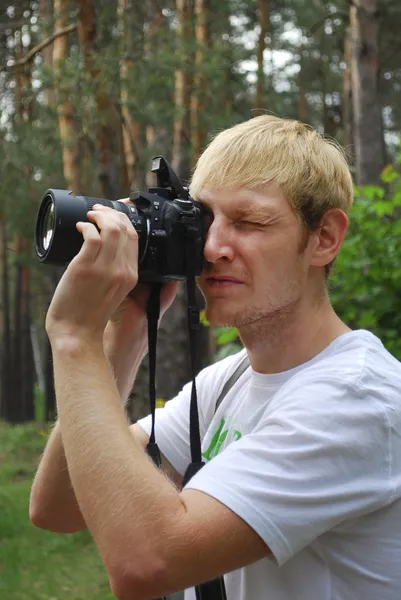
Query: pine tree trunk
point(22, 367)
point(302, 102)
point(105, 134)
point(174, 365)
point(131, 20)
point(347, 95)
point(182, 97)
point(198, 135)
point(16, 412)
point(46, 19)
point(367, 110)
point(6, 351)
point(263, 19)
point(66, 121)
point(27, 369)
point(155, 136)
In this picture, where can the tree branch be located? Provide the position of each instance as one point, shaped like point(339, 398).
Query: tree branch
point(32, 53)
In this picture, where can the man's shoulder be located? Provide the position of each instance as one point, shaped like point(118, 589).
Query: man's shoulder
point(357, 363)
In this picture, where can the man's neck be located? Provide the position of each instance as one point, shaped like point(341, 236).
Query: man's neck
point(292, 337)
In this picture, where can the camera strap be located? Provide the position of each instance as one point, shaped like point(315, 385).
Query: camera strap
point(153, 314)
point(215, 589)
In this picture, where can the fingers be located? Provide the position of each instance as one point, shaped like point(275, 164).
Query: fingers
point(110, 242)
point(92, 241)
point(112, 234)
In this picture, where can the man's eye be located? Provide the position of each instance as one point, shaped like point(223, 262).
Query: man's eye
point(245, 224)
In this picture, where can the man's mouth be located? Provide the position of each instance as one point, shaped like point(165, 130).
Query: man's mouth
point(222, 280)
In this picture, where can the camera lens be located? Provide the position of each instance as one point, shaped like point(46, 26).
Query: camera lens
point(48, 226)
point(57, 239)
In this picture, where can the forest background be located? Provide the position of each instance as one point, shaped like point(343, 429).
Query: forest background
point(91, 91)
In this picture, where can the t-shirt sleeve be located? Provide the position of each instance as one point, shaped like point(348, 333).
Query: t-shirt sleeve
point(172, 421)
point(320, 455)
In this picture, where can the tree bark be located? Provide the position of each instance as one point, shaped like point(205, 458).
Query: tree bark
point(87, 32)
point(46, 17)
point(131, 45)
point(263, 18)
point(27, 368)
point(347, 113)
point(367, 110)
point(174, 365)
point(302, 102)
point(6, 351)
point(22, 369)
point(198, 135)
point(65, 111)
point(182, 94)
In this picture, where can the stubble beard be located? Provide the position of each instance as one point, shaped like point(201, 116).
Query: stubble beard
point(256, 322)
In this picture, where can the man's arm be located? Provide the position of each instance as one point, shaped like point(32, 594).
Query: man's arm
point(53, 504)
point(152, 539)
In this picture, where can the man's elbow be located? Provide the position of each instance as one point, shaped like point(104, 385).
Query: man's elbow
point(43, 519)
point(139, 580)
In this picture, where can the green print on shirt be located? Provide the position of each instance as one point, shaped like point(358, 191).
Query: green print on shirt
point(218, 439)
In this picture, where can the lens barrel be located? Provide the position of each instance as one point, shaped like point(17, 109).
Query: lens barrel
point(57, 240)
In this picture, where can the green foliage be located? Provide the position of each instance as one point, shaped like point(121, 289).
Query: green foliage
point(227, 341)
point(366, 283)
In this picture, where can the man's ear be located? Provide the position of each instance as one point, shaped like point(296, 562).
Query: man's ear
point(329, 237)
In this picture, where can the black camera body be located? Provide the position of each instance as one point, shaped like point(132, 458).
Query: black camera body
point(171, 227)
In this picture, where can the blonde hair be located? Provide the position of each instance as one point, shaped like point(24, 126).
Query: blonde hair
point(310, 169)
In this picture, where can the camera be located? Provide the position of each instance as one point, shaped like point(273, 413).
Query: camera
point(171, 226)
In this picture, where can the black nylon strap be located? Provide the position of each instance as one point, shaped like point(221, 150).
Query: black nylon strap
point(153, 313)
point(211, 590)
point(242, 367)
point(215, 589)
point(193, 327)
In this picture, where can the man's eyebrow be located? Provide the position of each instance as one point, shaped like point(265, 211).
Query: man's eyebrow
point(256, 211)
point(245, 210)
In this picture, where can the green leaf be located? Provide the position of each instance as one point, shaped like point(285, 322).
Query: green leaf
point(227, 336)
point(389, 174)
point(383, 208)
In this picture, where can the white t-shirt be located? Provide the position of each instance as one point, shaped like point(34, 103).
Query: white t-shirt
point(310, 458)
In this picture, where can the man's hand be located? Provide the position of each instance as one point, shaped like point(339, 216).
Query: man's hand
point(130, 317)
point(98, 279)
point(99, 287)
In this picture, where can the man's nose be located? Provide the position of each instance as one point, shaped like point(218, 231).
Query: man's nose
point(218, 243)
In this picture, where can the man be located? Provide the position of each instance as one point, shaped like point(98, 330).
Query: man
point(300, 496)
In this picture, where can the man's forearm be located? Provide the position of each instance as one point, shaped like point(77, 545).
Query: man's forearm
point(112, 476)
point(125, 357)
point(53, 504)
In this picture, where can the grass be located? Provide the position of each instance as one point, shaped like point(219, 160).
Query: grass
point(37, 564)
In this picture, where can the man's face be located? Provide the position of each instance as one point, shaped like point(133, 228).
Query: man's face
point(257, 256)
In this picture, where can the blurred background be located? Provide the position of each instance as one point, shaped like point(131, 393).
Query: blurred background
point(89, 93)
